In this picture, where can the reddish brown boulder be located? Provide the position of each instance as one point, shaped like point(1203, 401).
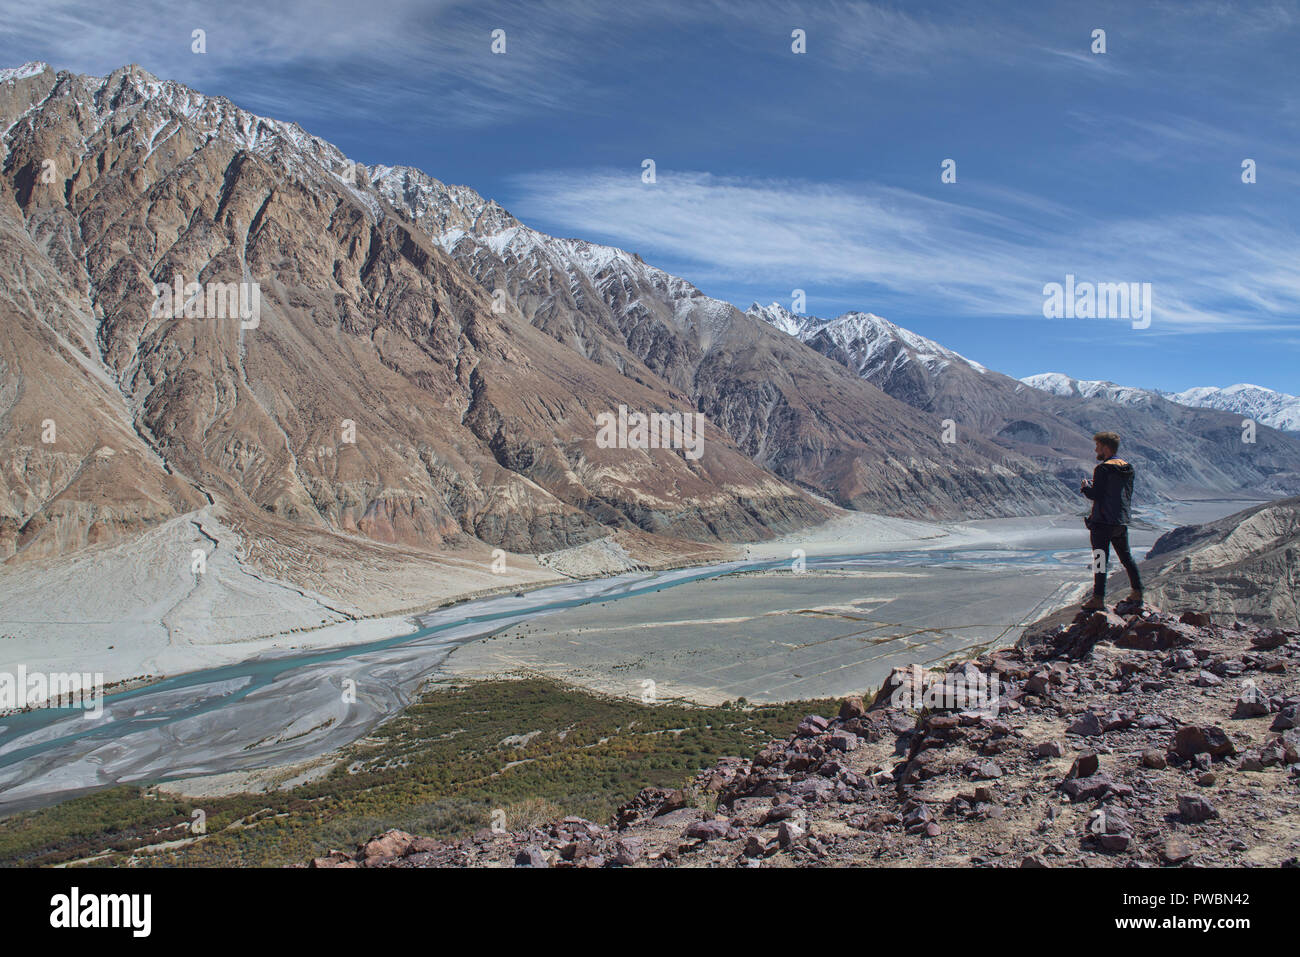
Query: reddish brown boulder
point(390, 844)
point(1156, 634)
point(852, 707)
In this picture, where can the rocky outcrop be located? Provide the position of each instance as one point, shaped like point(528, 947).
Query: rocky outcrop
point(1118, 738)
point(1244, 566)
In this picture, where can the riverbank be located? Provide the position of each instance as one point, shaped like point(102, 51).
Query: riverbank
point(513, 752)
point(140, 612)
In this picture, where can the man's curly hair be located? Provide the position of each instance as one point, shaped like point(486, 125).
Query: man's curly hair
point(1108, 439)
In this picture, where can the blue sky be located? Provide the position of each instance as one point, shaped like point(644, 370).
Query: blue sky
point(821, 171)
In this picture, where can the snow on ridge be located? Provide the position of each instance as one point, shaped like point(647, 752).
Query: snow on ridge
point(458, 214)
point(926, 350)
point(29, 69)
point(594, 257)
point(1269, 407)
point(161, 103)
point(1058, 383)
point(1275, 409)
point(217, 118)
point(866, 335)
point(780, 318)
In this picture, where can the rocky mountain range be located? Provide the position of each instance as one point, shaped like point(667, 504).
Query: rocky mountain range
point(1266, 406)
point(788, 409)
point(1276, 409)
point(1181, 451)
point(424, 371)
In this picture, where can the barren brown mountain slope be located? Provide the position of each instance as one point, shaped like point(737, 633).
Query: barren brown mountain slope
point(375, 393)
point(381, 390)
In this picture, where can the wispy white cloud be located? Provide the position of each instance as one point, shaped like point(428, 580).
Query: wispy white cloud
point(1210, 272)
point(431, 60)
point(1100, 62)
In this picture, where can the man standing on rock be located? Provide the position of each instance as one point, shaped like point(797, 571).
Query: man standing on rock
point(1111, 490)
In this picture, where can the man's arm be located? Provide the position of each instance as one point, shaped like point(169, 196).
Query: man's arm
point(1090, 488)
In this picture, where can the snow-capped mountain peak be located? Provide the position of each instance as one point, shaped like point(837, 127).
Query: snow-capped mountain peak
point(1268, 406)
point(779, 317)
point(1060, 384)
point(870, 327)
point(870, 340)
point(32, 68)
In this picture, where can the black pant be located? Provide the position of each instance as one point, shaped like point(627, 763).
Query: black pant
point(1102, 538)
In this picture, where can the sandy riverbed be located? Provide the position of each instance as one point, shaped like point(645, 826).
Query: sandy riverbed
point(138, 611)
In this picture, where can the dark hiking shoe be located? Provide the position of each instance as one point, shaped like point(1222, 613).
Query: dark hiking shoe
point(1094, 604)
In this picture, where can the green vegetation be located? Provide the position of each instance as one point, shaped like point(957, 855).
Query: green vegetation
point(440, 768)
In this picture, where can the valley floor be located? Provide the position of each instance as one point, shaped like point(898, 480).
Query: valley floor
point(137, 612)
point(914, 592)
point(777, 635)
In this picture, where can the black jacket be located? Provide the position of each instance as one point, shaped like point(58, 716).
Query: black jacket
point(1111, 491)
